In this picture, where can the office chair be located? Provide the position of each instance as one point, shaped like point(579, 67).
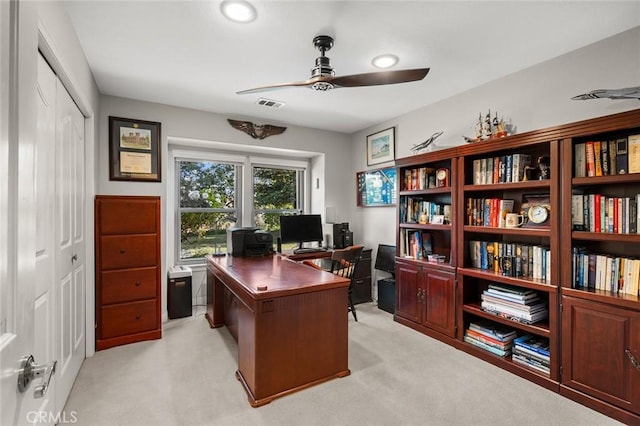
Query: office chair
point(344, 263)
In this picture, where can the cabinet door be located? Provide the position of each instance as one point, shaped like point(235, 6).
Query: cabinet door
point(408, 302)
point(440, 302)
point(596, 337)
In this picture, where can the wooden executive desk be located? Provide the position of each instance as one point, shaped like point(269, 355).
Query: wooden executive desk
point(289, 320)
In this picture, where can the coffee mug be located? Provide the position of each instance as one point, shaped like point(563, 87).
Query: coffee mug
point(513, 220)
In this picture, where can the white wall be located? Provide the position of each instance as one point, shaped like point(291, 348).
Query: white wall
point(534, 98)
point(331, 167)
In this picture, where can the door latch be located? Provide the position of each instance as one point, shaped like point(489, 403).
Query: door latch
point(29, 371)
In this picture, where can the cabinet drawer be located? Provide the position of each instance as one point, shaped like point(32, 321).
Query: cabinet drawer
point(128, 318)
point(127, 285)
point(128, 215)
point(124, 251)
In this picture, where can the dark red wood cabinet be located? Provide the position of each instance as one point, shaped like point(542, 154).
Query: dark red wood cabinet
point(128, 284)
point(425, 298)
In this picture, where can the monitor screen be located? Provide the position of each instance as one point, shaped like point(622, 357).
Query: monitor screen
point(301, 228)
point(386, 258)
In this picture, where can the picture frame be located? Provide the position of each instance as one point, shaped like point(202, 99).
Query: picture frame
point(381, 146)
point(134, 150)
point(377, 188)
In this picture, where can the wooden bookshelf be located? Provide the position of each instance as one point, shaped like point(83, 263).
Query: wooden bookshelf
point(601, 323)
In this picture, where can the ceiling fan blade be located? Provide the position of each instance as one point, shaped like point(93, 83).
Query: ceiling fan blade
point(379, 78)
point(278, 86)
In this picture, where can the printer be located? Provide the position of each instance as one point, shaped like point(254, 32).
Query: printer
point(245, 242)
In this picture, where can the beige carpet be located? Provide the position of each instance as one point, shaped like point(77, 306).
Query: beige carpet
point(398, 377)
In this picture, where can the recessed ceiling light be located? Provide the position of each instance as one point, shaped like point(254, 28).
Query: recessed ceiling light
point(384, 61)
point(238, 11)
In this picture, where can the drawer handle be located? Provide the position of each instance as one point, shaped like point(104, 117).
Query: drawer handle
point(137, 283)
point(137, 316)
point(122, 251)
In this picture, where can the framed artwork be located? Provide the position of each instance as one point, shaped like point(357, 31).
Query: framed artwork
point(377, 188)
point(381, 146)
point(134, 150)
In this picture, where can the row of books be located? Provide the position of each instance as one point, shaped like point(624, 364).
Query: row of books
point(532, 352)
point(603, 272)
point(488, 211)
point(415, 244)
point(418, 210)
point(501, 169)
point(491, 337)
point(603, 214)
point(419, 178)
point(511, 259)
point(514, 303)
point(606, 158)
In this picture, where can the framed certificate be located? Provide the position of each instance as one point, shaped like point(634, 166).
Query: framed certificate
point(134, 150)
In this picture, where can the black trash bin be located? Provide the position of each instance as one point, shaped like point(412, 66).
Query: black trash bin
point(179, 292)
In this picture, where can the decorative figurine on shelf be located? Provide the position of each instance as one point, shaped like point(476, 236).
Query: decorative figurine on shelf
point(479, 127)
point(544, 167)
point(486, 130)
point(424, 145)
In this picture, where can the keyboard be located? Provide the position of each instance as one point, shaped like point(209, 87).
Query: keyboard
point(304, 250)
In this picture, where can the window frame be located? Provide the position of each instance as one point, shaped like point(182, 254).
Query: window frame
point(300, 190)
point(180, 151)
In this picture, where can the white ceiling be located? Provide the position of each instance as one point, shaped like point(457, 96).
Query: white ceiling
point(185, 53)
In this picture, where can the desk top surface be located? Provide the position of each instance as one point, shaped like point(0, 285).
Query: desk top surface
point(272, 276)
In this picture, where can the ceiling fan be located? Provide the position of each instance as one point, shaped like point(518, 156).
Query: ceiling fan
point(323, 78)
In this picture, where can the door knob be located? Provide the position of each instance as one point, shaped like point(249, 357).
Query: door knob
point(74, 258)
point(29, 370)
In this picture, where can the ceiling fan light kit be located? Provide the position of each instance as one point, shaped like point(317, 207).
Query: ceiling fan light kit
point(323, 77)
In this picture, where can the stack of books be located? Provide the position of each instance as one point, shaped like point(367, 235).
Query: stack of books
point(491, 337)
point(532, 352)
point(517, 304)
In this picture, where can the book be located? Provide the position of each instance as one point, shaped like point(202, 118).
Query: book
point(604, 148)
point(516, 293)
point(597, 157)
point(590, 158)
point(493, 330)
point(633, 153)
point(621, 156)
point(579, 160)
point(520, 161)
point(488, 348)
point(506, 206)
point(577, 212)
point(613, 161)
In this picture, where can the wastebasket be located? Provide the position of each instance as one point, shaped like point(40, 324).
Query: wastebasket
point(179, 292)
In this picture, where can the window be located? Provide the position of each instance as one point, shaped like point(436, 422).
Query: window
point(209, 195)
point(218, 190)
point(276, 191)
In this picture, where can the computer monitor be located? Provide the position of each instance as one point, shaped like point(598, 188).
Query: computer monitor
point(386, 259)
point(301, 228)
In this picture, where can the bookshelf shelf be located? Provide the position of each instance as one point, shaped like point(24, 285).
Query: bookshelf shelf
point(534, 284)
point(534, 232)
point(533, 185)
point(603, 236)
point(429, 191)
point(540, 328)
point(602, 323)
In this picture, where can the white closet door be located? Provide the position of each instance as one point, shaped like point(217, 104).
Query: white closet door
point(70, 242)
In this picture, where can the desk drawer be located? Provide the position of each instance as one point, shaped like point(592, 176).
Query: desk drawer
point(127, 251)
point(128, 285)
point(128, 318)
